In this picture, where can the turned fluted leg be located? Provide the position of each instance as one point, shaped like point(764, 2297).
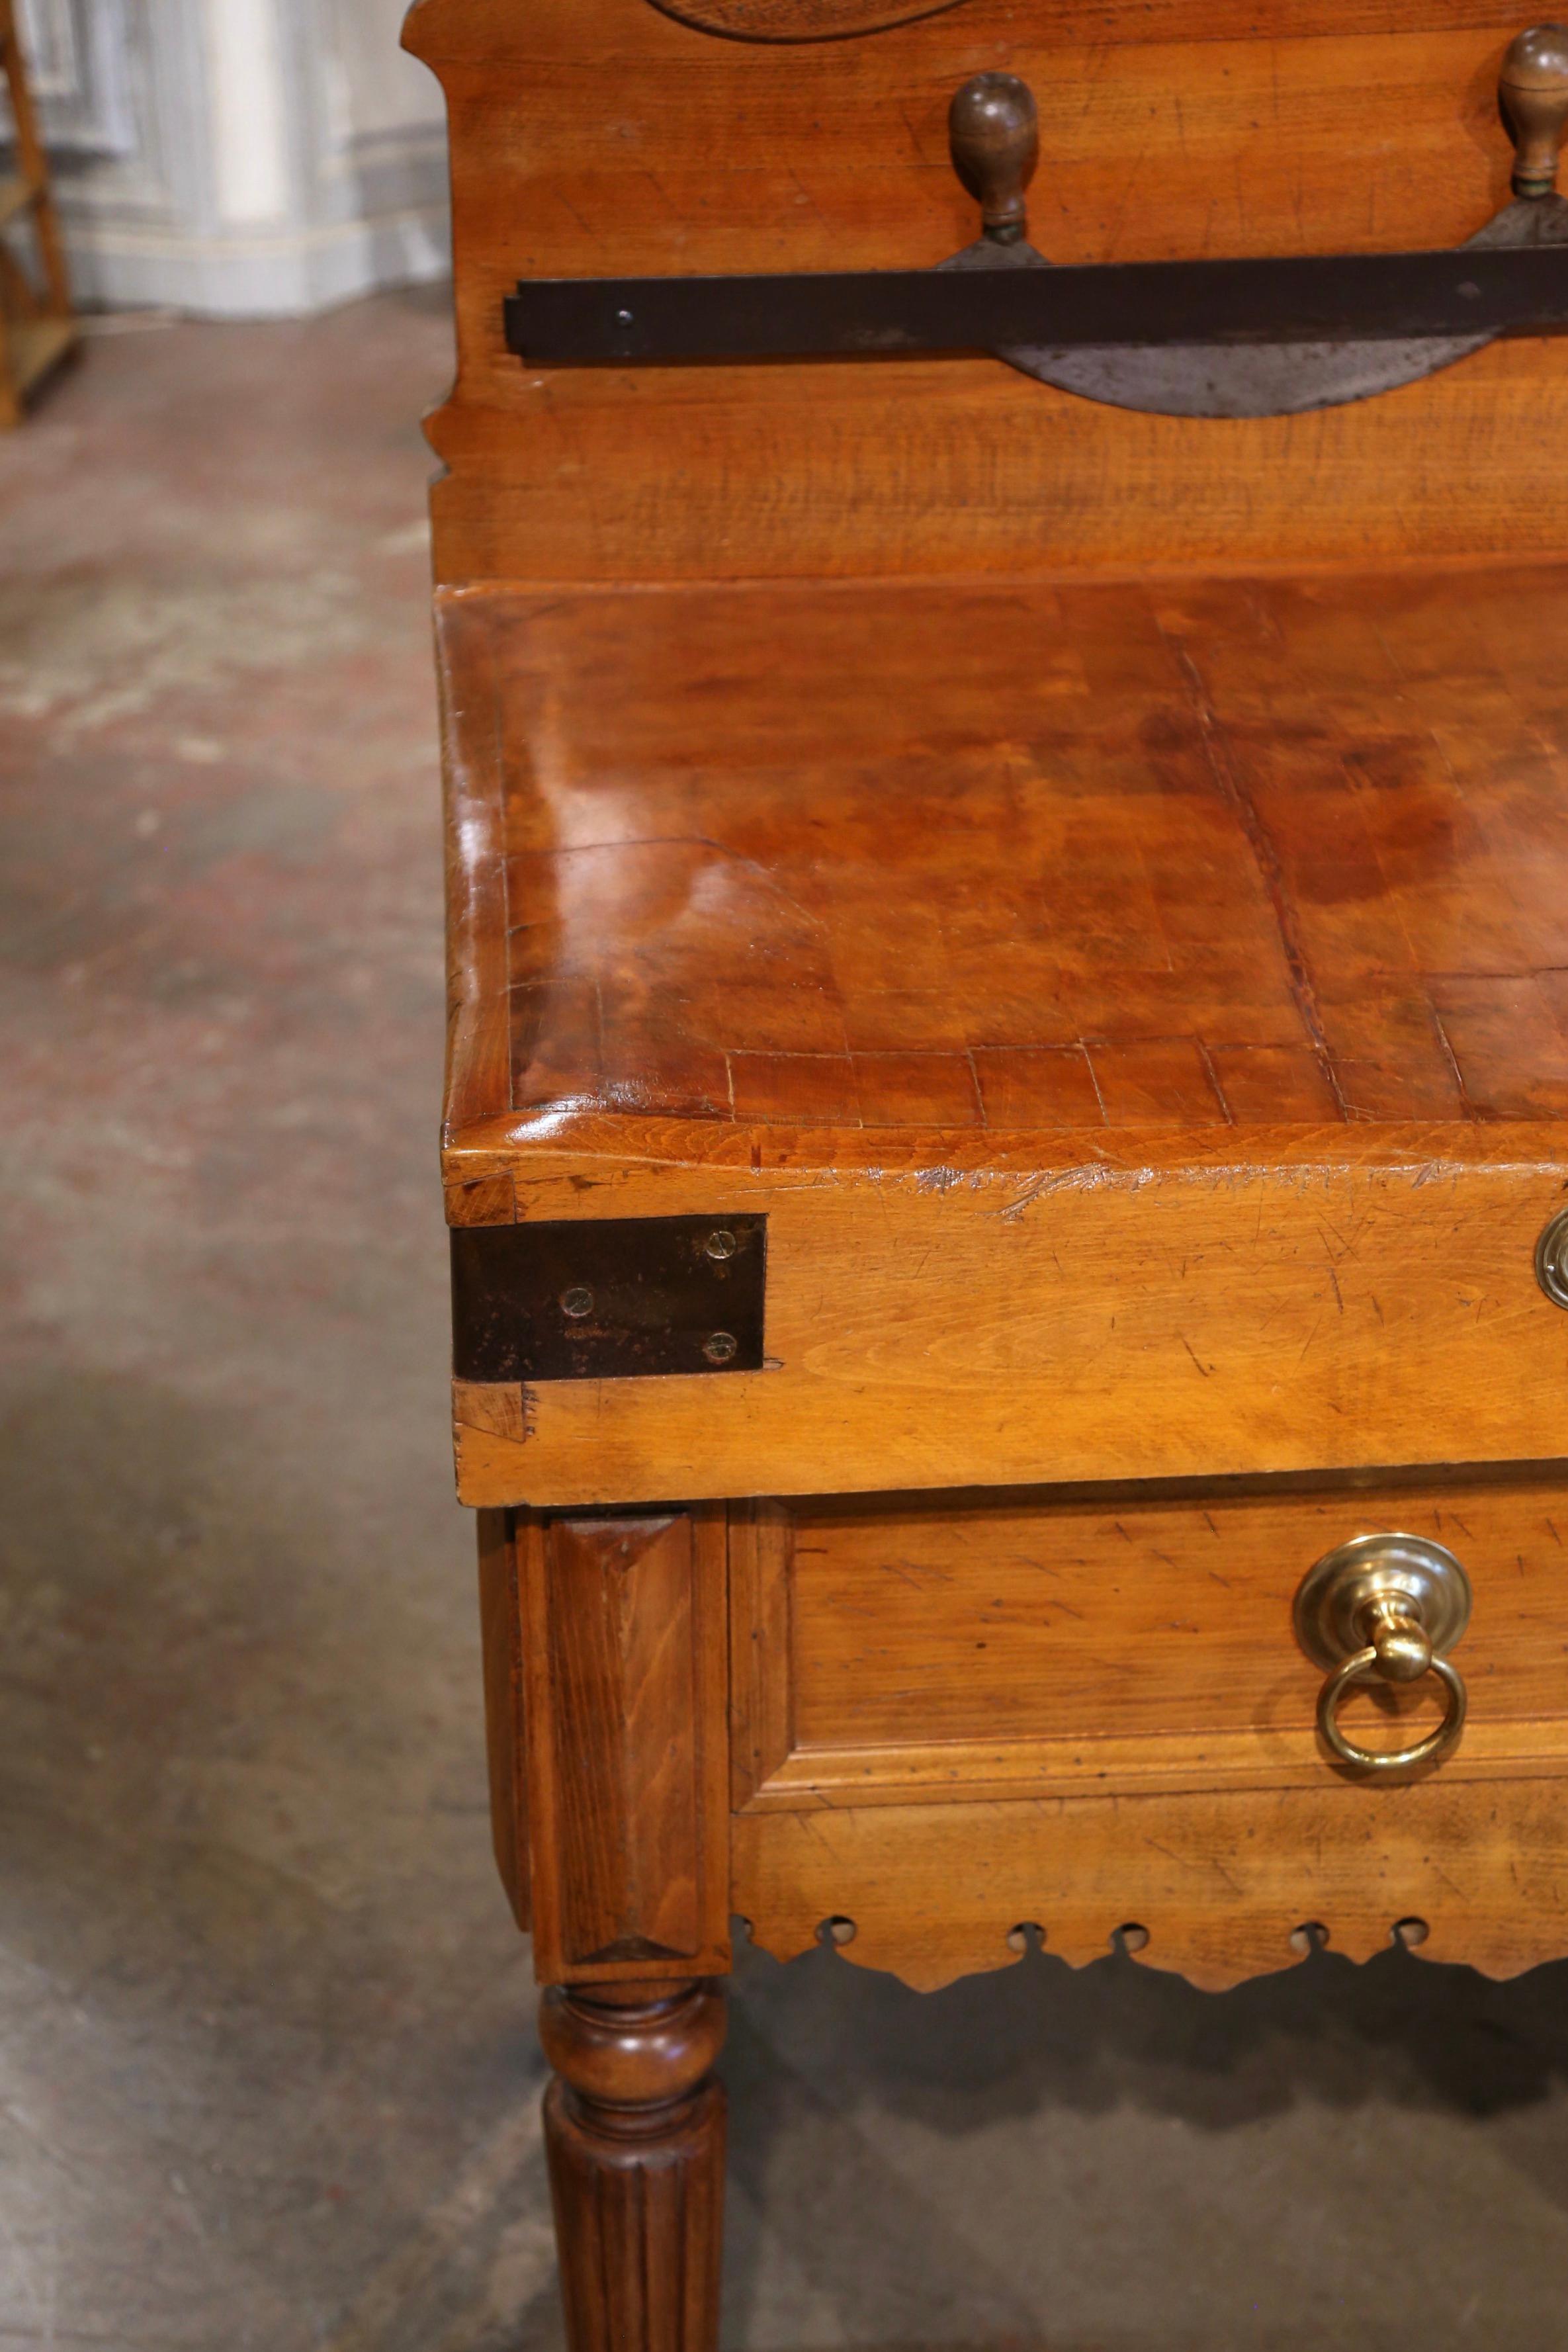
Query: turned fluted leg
point(635, 2127)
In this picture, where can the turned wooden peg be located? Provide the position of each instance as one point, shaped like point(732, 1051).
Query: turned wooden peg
point(1533, 88)
point(993, 132)
point(634, 2126)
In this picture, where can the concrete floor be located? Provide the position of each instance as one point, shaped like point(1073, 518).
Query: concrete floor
point(270, 2068)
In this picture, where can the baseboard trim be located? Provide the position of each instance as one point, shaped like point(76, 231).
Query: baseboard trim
point(260, 276)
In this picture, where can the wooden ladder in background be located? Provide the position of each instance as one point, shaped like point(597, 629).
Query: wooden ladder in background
point(36, 328)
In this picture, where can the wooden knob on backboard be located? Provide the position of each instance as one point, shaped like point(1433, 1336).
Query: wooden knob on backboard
point(1533, 88)
point(995, 135)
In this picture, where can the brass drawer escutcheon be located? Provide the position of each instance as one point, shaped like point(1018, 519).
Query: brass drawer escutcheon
point(1388, 1607)
point(1551, 1258)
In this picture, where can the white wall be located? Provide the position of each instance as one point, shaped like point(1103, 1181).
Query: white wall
point(239, 158)
point(385, 91)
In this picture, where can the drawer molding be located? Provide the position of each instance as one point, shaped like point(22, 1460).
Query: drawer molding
point(914, 1649)
point(811, 1777)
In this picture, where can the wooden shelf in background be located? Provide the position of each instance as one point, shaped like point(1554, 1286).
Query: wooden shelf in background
point(34, 346)
point(15, 197)
point(38, 330)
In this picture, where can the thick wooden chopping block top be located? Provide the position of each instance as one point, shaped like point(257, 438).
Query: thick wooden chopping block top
point(1139, 1013)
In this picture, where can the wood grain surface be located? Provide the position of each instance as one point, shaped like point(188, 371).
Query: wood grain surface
point(623, 1649)
point(1219, 1882)
point(1166, 131)
point(1241, 853)
point(1112, 20)
point(1161, 1319)
point(1139, 1011)
point(634, 2128)
point(1137, 1007)
point(895, 1647)
point(500, 1637)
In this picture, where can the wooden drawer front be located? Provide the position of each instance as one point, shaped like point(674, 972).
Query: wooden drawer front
point(912, 1648)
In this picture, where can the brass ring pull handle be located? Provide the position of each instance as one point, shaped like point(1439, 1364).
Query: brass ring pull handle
point(1387, 1607)
point(1436, 1743)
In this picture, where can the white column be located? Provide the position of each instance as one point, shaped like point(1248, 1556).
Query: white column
point(241, 158)
point(249, 139)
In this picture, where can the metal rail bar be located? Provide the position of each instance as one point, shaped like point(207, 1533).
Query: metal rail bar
point(1313, 298)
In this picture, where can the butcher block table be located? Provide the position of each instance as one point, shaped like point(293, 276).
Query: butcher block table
point(1006, 1131)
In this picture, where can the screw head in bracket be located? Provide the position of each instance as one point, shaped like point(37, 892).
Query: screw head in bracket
point(577, 1302)
point(1551, 1258)
point(720, 1243)
point(718, 1347)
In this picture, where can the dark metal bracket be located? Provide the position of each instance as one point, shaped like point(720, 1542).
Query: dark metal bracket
point(853, 314)
point(1196, 338)
point(608, 1298)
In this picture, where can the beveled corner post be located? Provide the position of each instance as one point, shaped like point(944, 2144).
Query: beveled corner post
point(606, 1700)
